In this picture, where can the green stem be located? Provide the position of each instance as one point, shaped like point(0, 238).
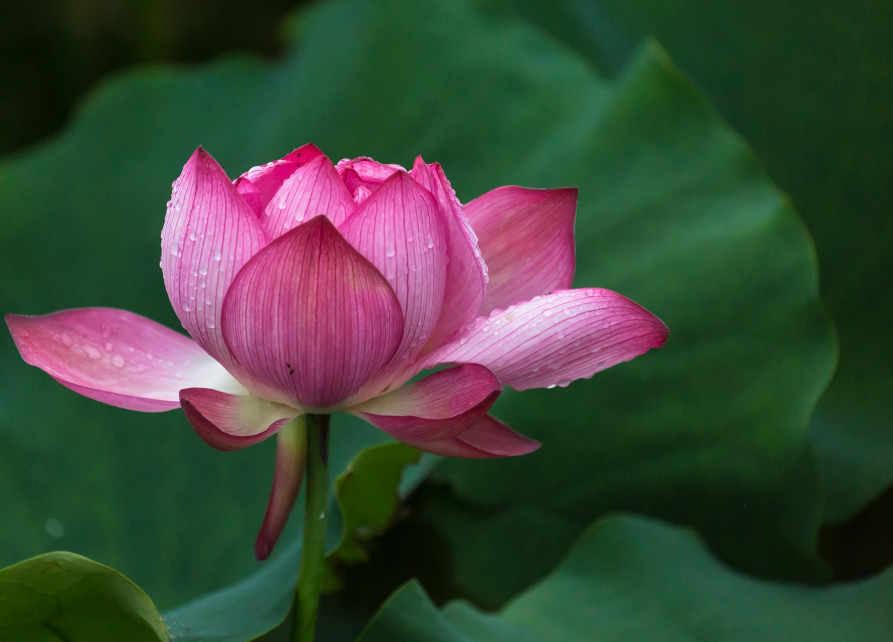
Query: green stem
point(314, 545)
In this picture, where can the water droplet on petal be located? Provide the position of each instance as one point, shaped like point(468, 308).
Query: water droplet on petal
point(217, 254)
point(389, 252)
point(118, 361)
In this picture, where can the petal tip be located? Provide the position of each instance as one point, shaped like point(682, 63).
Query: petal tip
point(262, 547)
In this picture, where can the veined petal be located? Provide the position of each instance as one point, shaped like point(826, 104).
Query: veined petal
point(117, 357)
point(442, 405)
point(467, 271)
point(265, 180)
point(209, 233)
point(363, 175)
point(311, 318)
point(400, 230)
point(233, 422)
point(527, 239)
point(556, 339)
point(313, 190)
point(486, 438)
point(291, 460)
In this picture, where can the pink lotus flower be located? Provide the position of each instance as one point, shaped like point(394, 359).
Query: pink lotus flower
point(313, 288)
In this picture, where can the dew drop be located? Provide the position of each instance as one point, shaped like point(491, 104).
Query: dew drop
point(547, 313)
point(389, 252)
point(191, 235)
point(92, 352)
point(54, 527)
point(66, 339)
point(175, 248)
point(430, 242)
point(564, 383)
point(109, 347)
point(203, 270)
point(118, 361)
point(217, 254)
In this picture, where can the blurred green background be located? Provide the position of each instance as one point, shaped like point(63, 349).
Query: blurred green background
point(729, 430)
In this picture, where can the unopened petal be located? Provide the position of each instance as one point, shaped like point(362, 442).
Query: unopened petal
point(400, 230)
point(467, 271)
point(260, 183)
point(116, 357)
point(313, 190)
point(209, 233)
point(440, 406)
point(233, 422)
point(527, 239)
point(311, 318)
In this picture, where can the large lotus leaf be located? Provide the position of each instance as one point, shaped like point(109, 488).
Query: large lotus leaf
point(674, 212)
point(65, 597)
point(636, 579)
point(711, 430)
point(808, 86)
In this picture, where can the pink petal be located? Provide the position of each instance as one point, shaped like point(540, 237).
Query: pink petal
point(314, 190)
point(209, 233)
point(485, 439)
point(311, 318)
point(527, 238)
point(265, 180)
point(116, 357)
point(291, 460)
point(363, 175)
point(467, 271)
point(556, 339)
point(442, 405)
point(400, 230)
point(232, 422)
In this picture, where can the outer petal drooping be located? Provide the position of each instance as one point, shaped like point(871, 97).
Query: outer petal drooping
point(485, 439)
point(467, 271)
point(527, 239)
point(556, 339)
point(116, 357)
point(209, 234)
point(311, 318)
point(291, 460)
point(233, 422)
point(440, 406)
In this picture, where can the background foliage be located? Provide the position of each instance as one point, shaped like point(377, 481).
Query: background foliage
point(715, 432)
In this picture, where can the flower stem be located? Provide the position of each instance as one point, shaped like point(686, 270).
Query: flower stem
point(314, 546)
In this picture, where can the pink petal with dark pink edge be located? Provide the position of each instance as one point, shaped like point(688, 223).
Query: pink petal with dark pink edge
point(314, 190)
point(442, 405)
point(233, 422)
point(487, 438)
point(555, 339)
point(291, 460)
point(117, 357)
point(311, 318)
point(209, 234)
point(363, 175)
point(527, 239)
point(467, 271)
point(265, 180)
point(399, 228)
